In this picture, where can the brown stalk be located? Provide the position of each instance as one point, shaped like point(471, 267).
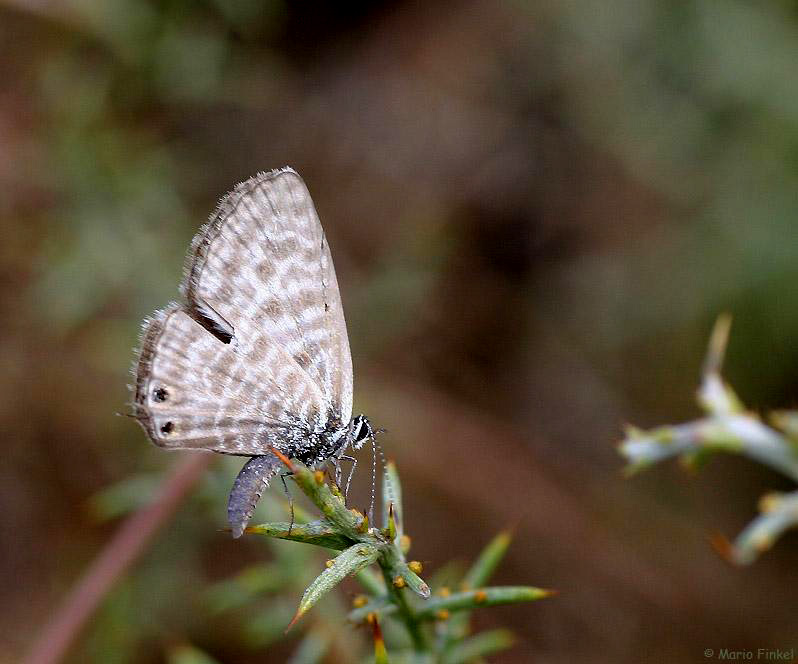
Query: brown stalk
point(127, 544)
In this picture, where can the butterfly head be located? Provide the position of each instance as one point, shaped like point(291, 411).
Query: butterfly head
point(360, 431)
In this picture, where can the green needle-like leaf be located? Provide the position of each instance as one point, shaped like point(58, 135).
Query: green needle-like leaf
point(413, 581)
point(478, 575)
point(349, 561)
point(488, 561)
point(320, 533)
point(481, 645)
point(468, 600)
point(330, 505)
point(473, 599)
point(392, 495)
point(348, 531)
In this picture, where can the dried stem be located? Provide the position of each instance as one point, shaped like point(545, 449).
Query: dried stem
point(129, 542)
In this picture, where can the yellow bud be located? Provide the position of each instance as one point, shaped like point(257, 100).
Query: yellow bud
point(442, 614)
point(360, 601)
point(363, 527)
point(399, 582)
point(319, 477)
point(329, 564)
point(769, 502)
point(415, 566)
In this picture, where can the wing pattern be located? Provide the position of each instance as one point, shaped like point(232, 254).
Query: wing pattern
point(259, 355)
point(263, 264)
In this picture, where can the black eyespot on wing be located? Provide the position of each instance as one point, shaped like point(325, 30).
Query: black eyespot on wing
point(167, 428)
point(160, 394)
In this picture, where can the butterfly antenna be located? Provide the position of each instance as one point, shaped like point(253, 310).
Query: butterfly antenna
point(373, 477)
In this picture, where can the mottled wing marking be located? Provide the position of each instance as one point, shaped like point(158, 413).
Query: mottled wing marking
point(194, 391)
point(262, 264)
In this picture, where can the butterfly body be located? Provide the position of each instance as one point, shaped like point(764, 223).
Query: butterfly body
point(257, 356)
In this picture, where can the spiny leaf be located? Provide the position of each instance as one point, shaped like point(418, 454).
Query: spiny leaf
point(478, 575)
point(779, 512)
point(488, 561)
point(473, 599)
point(481, 645)
point(320, 533)
point(413, 581)
point(331, 506)
point(464, 601)
point(392, 495)
point(394, 566)
point(349, 561)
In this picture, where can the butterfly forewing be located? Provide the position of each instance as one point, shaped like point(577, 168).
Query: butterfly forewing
point(261, 268)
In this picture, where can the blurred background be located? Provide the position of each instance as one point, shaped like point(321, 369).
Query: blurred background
point(536, 211)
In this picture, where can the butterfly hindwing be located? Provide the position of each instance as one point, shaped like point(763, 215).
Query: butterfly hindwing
point(194, 391)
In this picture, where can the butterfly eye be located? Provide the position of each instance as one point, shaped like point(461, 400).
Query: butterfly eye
point(362, 429)
point(167, 428)
point(160, 394)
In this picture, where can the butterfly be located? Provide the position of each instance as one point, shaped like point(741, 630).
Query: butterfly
point(256, 356)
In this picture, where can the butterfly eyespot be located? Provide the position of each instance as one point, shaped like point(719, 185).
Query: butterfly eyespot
point(160, 394)
point(167, 428)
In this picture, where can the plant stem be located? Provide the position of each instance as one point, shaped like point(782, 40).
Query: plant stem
point(406, 612)
point(130, 540)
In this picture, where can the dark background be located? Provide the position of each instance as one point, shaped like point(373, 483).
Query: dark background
point(536, 211)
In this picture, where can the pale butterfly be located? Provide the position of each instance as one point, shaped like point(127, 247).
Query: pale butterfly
point(257, 355)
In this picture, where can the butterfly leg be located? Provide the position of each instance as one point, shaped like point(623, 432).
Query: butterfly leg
point(351, 472)
point(290, 500)
point(337, 472)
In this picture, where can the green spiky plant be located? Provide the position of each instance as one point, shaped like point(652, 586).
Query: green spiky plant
point(728, 427)
point(436, 629)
